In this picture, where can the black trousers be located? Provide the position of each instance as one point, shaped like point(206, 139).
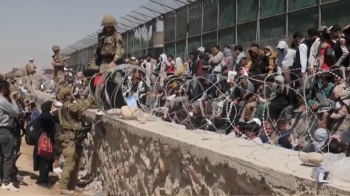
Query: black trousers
point(44, 170)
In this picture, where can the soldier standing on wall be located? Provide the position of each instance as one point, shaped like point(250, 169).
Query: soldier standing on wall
point(110, 47)
point(30, 68)
point(58, 63)
point(70, 116)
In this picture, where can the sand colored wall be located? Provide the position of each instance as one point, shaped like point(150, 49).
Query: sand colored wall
point(158, 158)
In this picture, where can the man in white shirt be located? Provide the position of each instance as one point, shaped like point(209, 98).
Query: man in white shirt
point(240, 54)
point(315, 47)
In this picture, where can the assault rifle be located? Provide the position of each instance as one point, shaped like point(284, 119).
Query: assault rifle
point(98, 58)
point(83, 131)
point(19, 122)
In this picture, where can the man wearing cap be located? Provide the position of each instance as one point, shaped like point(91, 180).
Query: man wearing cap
point(30, 68)
point(58, 63)
point(70, 116)
point(133, 61)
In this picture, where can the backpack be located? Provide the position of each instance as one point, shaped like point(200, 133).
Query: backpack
point(33, 131)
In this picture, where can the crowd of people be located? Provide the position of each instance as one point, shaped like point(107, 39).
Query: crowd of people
point(253, 95)
point(19, 116)
point(40, 126)
point(71, 78)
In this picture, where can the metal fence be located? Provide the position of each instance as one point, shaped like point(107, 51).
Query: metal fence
point(227, 22)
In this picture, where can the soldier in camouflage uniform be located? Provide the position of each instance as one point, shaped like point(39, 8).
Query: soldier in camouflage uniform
point(110, 47)
point(58, 63)
point(30, 68)
point(13, 86)
point(70, 115)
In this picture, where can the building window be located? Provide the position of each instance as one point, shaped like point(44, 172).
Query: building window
point(247, 10)
point(227, 13)
point(302, 20)
point(227, 36)
point(272, 7)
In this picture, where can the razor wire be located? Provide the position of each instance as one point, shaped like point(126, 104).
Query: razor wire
point(127, 69)
point(185, 83)
point(107, 99)
point(155, 81)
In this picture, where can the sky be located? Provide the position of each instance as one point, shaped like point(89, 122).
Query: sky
point(29, 28)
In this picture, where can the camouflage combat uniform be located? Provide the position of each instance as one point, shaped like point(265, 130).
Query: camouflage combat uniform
point(58, 70)
point(70, 114)
point(13, 86)
point(110, 45)
point(30, 68)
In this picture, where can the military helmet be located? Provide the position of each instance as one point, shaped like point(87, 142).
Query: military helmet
point(13, 88)
point(2, 76)
point(55, 48)
point(64, 91)
point(108, 21)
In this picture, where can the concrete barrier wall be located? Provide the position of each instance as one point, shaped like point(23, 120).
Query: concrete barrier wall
point(158, 158)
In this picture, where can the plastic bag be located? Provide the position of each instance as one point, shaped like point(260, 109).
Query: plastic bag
point(143, 116)
point(338, 166)
point(131, 101)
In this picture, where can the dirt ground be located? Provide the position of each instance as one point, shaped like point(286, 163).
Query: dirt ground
point(28, 186)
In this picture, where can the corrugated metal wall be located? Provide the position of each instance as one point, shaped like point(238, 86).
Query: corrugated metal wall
point(227, 22)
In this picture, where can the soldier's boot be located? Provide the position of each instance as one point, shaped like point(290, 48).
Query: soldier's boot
point(67, 192)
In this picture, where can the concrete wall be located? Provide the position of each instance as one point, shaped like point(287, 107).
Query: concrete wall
point(158, 158)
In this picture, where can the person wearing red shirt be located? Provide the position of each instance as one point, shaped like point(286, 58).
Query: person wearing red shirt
point(326, 56)
point(170, 69)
